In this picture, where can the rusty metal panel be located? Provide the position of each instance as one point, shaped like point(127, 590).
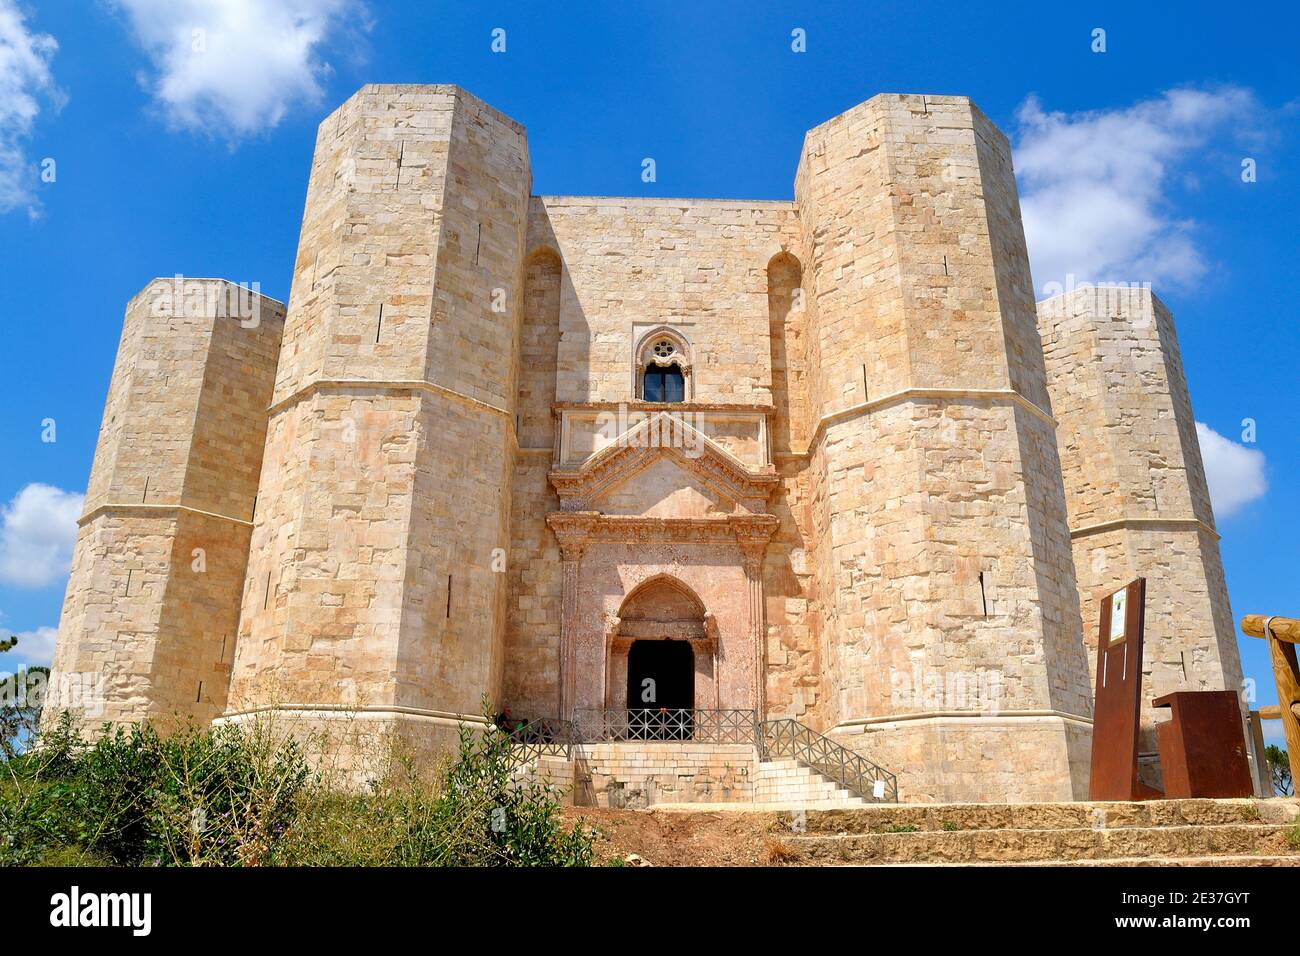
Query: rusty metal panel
point(1202, 748)
point(1114, 773)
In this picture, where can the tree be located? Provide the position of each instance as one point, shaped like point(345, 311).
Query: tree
point(1279, 769)
point(20, 708)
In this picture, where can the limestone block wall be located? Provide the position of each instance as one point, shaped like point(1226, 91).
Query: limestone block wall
point(695, 264)
point(1136, 489)
point(795, 683)
point(938, 507)
point(376, 575)
point(603, 271)
point(531, 665)
point(641, 774)
point(153, 597)
point(795, 686)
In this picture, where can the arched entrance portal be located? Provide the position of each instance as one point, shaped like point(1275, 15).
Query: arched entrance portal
point(661, 659)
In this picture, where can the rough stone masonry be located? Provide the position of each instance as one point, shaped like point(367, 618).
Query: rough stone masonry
point(504, 445)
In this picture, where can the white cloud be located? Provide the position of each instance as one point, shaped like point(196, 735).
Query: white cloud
point(24, 78)
point(235, 67)
point(1095, 186)
point(37, 531)
point(1234, 472)
point(34, 649)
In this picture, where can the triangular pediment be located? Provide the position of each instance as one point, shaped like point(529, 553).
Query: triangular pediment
point(663, 488)
point(664, 467)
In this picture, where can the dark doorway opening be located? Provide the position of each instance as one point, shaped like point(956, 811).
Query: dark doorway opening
point(660, 690)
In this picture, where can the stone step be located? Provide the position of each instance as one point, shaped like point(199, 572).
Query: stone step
point(877, 818)
point(1125, 861)
point(1059, 844)
point(796, 783)
point(789, 783)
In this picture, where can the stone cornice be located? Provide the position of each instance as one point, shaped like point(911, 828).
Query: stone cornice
point(591, 526)
point(640, 406)
point(1118, 524)
point(371, 711)
point(920, 394)
point(395, 385)
point(157, 509)
point(858, 725)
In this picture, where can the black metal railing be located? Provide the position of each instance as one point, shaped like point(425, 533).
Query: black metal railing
point(773, 739)
point(792, 740)
point(666, 723)
point(542, 737)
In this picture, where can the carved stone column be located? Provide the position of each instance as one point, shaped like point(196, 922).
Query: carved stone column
point(571, 554)
point(571, 531)
point(753, 547)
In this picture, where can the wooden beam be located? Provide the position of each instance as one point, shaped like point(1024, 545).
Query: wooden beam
point(1283, 628)
point(1274, 712)
point(1283, 636)
point(1287, 674)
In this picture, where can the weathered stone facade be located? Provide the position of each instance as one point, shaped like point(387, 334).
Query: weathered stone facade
point(1136, 488)
point(513, 441)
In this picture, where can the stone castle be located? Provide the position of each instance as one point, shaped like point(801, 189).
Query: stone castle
point(820, 459)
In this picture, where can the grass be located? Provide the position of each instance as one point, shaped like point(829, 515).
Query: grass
point(778, 852)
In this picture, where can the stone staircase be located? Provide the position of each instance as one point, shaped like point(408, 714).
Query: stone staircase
point(1155, 833)
point(636, 776)
point(635, 759)
point(788, 782)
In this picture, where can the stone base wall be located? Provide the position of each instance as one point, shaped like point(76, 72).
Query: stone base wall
point(999, 758)
point(641, 774)
point(350, 748)
point(550, 771)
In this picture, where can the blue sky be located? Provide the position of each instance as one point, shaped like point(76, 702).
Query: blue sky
point(174, 159)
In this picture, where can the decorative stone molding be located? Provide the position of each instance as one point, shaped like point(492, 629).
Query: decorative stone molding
point(575, 530)
point(572, 536)
point(663, 435)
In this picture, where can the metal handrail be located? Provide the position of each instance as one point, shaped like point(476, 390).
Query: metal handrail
point(790, 739)
point(666, 723)
point(784, 738)
point(542, 737)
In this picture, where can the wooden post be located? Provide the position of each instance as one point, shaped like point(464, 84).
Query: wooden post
point(1282, 634)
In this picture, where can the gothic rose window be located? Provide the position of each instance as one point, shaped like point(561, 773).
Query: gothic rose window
point(664, 365)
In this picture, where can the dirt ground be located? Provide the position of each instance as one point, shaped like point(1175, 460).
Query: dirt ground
point(666, 838)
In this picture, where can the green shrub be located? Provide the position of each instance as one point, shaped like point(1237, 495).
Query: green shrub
point(487, 818)
point(471, 813)
point(243, 795)
point(216, 796)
